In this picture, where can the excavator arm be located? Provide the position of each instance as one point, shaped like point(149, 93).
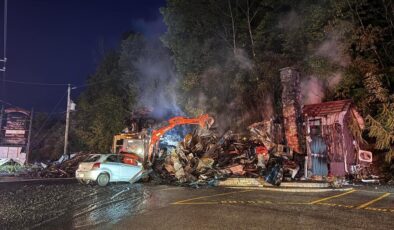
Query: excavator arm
point(204, 121)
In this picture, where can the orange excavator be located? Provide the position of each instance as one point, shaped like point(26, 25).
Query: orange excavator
point(143, 147)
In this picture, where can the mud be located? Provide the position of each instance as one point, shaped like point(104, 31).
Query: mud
point(68, 206)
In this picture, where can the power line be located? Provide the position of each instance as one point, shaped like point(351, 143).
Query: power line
point(52, 112)
point(4, 60)
point(94, 83)
point(35, 83)
point(10, 104)
point(5, 31)
point(54, 84)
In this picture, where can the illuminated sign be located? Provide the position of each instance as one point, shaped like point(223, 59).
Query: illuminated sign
point(15, 132)
point(14, 127)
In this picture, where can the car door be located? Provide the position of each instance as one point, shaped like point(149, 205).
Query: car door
point(128, 171)
point(113, 165)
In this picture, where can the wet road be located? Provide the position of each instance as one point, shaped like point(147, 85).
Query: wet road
point(68, 206)
point(141, 206)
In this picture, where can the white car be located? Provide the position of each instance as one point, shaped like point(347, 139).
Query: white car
point(105, 168)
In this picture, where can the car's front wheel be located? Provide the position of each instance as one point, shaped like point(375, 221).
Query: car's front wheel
point(103, 179)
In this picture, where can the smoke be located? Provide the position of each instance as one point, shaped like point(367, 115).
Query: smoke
point(241, 60)
point(157, 83)
point(290, 21)
point(148, 69)
point(150, 29)
point(312, 90)
point(334, 80)
point(268, 108)
point(333, 49)
point(227, 102)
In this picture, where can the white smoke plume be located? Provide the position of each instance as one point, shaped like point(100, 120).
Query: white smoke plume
point(334, 80)
point(148, 67)
point(312, 90)
point(333, 49)
point(157, 83)
point(290, 21)
point(242, 60)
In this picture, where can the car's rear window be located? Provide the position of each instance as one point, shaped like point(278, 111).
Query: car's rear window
point(92, 158)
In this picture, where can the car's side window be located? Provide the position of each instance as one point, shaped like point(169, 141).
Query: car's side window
point(112, 158)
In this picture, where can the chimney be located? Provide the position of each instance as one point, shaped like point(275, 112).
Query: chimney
point(291, 107)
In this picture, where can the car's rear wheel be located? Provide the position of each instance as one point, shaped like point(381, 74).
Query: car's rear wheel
point(103, 179)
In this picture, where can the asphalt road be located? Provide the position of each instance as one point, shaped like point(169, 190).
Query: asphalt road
point(141, 206)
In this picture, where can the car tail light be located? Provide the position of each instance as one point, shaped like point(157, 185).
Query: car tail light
point(96, 165)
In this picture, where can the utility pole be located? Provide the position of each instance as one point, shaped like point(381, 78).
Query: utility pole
point(67, 121)
point(1, 124)
point(29, 136)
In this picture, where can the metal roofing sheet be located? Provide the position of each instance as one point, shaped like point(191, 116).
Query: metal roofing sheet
point(326, 108)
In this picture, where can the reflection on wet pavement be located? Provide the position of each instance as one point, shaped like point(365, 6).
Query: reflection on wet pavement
point(95, 207)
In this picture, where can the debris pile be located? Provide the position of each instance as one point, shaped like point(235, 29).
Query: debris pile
point(63, 168)
point(203, 157)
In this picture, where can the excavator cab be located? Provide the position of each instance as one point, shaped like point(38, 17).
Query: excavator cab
point(126, 143)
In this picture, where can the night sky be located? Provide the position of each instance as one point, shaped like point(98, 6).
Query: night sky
point(62, 41)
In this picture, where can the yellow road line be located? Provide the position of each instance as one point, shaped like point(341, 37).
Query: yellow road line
point(202, 197)
point(336, 205)
point(373, 201)
point(165, 189)
point(295, 203)
point(331, 197)
point(213, 202)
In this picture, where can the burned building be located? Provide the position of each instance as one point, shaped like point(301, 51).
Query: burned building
point(320, 131)
point(331, 123)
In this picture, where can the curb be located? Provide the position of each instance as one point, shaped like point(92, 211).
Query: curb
point(38, 181)
point(259, 182)
point(306, 190)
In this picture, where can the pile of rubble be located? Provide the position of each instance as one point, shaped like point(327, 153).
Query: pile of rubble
point(62, 168)
point(203, 157)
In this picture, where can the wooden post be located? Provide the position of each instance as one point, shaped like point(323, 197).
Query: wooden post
point(67, 121)
point(29, 136)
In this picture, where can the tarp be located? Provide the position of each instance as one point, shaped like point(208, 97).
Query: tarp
point(13, 153)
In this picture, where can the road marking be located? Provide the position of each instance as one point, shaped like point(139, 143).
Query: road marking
point(267, 202)
point(373, 201)
point(202, 197)
point(295, 203)
point(165, 189)
point(336, 205)
point(332, 197)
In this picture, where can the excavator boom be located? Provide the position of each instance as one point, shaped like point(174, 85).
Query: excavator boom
point(204, 121)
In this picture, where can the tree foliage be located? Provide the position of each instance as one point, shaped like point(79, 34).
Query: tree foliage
point(229, 52)
point(103, 108)
point(47, 140)
point(382, 128)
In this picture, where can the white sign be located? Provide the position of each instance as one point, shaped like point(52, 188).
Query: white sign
point(19, 132)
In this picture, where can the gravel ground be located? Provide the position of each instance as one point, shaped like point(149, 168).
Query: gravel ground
point(36, 206)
